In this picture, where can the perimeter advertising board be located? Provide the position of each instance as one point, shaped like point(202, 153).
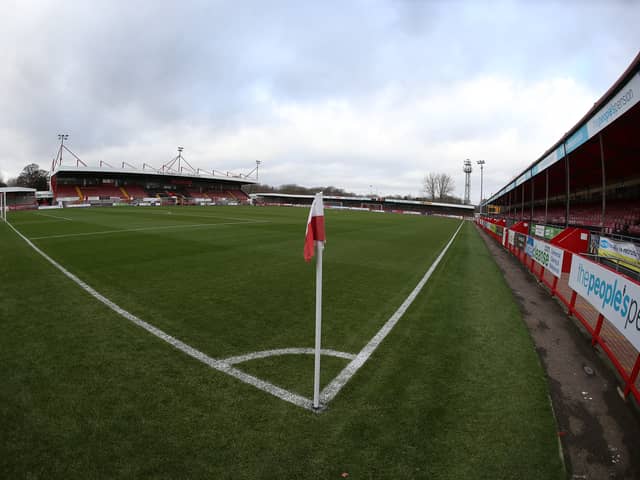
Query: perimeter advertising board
point(545, 231)
point(521, 240)
point(547, 255)
point(497, 229)
point(627, 252)
point(615, 297)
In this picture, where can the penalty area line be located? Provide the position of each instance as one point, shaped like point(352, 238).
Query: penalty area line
point(219, 365)
point(331, 390)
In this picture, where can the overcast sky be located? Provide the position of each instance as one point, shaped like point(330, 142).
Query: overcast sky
point(363, 95)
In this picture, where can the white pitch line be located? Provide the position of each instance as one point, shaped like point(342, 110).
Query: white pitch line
point(331, 390)
point(142, 229)
point(225, 366)
point(57, 217)
point(219, 365)
point(286, 351)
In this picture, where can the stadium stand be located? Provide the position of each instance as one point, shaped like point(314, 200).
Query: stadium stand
point(107, 185)
point(585, 191)
point(68, 192)
point(135, 191)
point(100, 192)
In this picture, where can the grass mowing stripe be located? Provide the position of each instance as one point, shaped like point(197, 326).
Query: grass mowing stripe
point(328, 393)
point(57, 217)
point(205, 216)
point(104, 232)
point(198, 355)
point(331, 390)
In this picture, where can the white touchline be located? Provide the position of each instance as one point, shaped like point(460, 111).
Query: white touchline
point(331, 390)
point(142, 229)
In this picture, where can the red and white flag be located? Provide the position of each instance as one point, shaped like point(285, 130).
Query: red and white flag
point(315, 227)
point(315, 237)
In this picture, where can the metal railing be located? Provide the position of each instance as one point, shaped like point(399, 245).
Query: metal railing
point(603, 334)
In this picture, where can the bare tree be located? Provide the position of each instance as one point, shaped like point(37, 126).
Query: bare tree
point(430, 185)
point(2, 182)
point(438, 186)
point(445, 185)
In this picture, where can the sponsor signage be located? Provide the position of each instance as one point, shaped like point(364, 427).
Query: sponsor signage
point(497, 229)
point(529, 248)
point(626, 98)
point(577, 139)
point(547, 162)
point(523, 178)
point(614, 296)
point(521, 240)
point(545, 231)
point(545, 254)
point(550, 232)
point(512, 237)
point(627, 252)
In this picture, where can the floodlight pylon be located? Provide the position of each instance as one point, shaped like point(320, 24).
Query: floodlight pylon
point(467, 168)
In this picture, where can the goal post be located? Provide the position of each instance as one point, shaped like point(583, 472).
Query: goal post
point(3, 206)
point(372, 206)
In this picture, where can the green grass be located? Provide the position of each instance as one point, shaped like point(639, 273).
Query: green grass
point(455, 391)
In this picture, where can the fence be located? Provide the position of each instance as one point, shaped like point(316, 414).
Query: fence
point(615, 341)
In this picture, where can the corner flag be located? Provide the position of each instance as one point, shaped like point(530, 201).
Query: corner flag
point(315, 227)
point(314, 239)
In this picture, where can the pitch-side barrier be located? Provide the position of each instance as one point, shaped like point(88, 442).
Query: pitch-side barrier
point(606, 302)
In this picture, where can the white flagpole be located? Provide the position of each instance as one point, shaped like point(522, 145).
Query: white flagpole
point(316, 374)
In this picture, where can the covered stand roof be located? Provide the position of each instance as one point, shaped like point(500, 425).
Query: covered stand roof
point(17, 190)
point(617, 112)
point(241, 179)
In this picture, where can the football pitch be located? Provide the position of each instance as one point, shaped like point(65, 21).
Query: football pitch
point(175, 343)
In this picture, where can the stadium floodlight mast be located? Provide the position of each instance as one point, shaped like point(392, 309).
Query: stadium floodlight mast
point(62, 137)
point(467, 169)
point(481, 163)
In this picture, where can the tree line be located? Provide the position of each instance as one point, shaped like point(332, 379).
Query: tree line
point(32, 176)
